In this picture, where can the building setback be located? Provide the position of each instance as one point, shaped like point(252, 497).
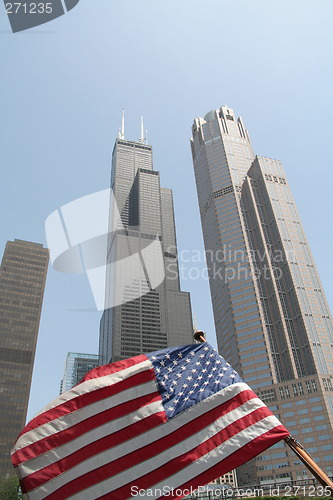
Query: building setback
point(272, 319)
point(150, 312)
point(76, 367)
point(22, 282)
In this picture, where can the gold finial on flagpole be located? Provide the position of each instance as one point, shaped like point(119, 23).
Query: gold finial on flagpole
point(199, 336)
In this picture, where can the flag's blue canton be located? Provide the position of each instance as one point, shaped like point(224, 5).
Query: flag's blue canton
point(186, 375)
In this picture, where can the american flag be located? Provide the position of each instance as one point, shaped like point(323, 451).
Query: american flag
point(152, 426)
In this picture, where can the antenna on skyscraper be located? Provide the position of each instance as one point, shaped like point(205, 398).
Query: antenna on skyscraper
point(121, 132)
point(142, 135)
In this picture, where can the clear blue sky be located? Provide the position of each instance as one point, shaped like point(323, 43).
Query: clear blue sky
point(64, 84)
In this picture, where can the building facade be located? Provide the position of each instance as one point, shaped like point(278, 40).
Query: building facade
point(272, 319)
point(22, 282)
point(76, 367)
point(147, 311)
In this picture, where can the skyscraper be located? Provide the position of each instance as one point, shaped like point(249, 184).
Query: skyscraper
point(272, 319)
point(22, 282)
point(150, 312)
point(76, 366)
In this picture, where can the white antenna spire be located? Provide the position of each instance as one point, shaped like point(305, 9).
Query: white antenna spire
point(121, 133)
point(142, 135)
point(123, 125)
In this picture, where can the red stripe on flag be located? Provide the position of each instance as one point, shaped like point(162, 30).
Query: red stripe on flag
point(51, 471)
point(182, 461)
point(87, 398)
point(117, 366)
point(119, 465)
point(237, 458)
point(59, 438)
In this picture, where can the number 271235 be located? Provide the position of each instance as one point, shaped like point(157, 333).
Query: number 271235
point(29, 8)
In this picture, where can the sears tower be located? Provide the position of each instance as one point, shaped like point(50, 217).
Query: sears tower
point(272, 319)
point(146, 309)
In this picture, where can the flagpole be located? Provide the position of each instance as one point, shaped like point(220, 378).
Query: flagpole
point(296, 447)
point(315, 470)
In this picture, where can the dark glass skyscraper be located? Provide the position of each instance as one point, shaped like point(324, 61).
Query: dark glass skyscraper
point(149, 311)
point(272, 319)
point(76, 367)
point(22, 282)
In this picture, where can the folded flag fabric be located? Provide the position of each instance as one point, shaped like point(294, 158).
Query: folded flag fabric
point(152, 426)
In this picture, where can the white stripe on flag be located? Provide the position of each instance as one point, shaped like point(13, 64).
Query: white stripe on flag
point(145, 439)
point(102, 431)
point(133, 473)
point(74, 417)
point(94, 384)
point(101, 459)
point(205, 462)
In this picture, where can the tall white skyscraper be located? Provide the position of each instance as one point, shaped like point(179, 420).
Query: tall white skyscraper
point(272, 319)
point(149, 311)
